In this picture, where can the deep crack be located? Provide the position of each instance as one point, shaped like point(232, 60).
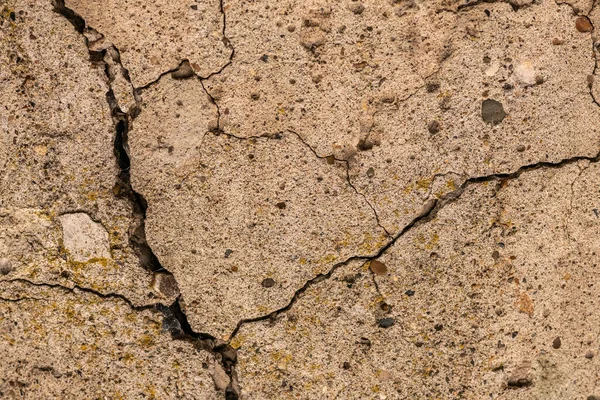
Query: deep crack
point(175, 319)
point(174, 314)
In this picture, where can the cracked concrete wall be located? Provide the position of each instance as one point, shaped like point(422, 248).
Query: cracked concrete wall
point(318, 199)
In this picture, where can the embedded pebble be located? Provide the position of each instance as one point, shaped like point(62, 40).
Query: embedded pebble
point(378, 268)
point(525, 73)
point(492, 111)
point(386, 322)
point(356, 8)
point(556, 343)
point(583, 24)
point(5, 266)
point(268, 282)
point(433, 126)
point(589, 354)
point(184, 71)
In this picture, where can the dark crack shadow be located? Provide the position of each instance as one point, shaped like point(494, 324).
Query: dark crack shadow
point(175, 319)
point(174, 314)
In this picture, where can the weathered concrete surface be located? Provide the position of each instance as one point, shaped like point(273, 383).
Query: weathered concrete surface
point(241, 223)
point(57, 161)
point(317, 199)
point(477, 298)
point(398, 90)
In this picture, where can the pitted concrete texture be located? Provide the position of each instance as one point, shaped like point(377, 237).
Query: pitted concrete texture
point(241, 223)
point(470, 307)
point(316, 199)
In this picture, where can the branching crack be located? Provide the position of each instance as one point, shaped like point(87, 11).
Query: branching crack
point(175, 318)
point(219, 131)
point(227, 43)
point(428, 213)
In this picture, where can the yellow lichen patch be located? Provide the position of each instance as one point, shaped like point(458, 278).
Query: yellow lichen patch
point(327, 259)
point(145, 340)
point(424, 183)
point(78, 266)
point(451, 185)
point(262, 309)
point(151, 391)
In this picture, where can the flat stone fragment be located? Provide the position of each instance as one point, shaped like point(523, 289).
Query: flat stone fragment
point(475, 271)
point(101, 348)
point(83, 238)
point(155, 37)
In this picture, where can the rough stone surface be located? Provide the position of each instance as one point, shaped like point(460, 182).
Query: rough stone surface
point(383, 86)
point(299, 199)
point(83, 238)
point(56, 156)
point(482, 271)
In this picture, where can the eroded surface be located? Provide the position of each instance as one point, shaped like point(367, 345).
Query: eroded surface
point(242, 223)
point(68, 345)
point(260, 199)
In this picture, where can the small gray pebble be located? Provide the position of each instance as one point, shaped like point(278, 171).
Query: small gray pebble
point(433, 127)
point(268, 282)
point(492, 111)
point(589, 354)
point(184, 71)
point(5, 266)
point(386, 322)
